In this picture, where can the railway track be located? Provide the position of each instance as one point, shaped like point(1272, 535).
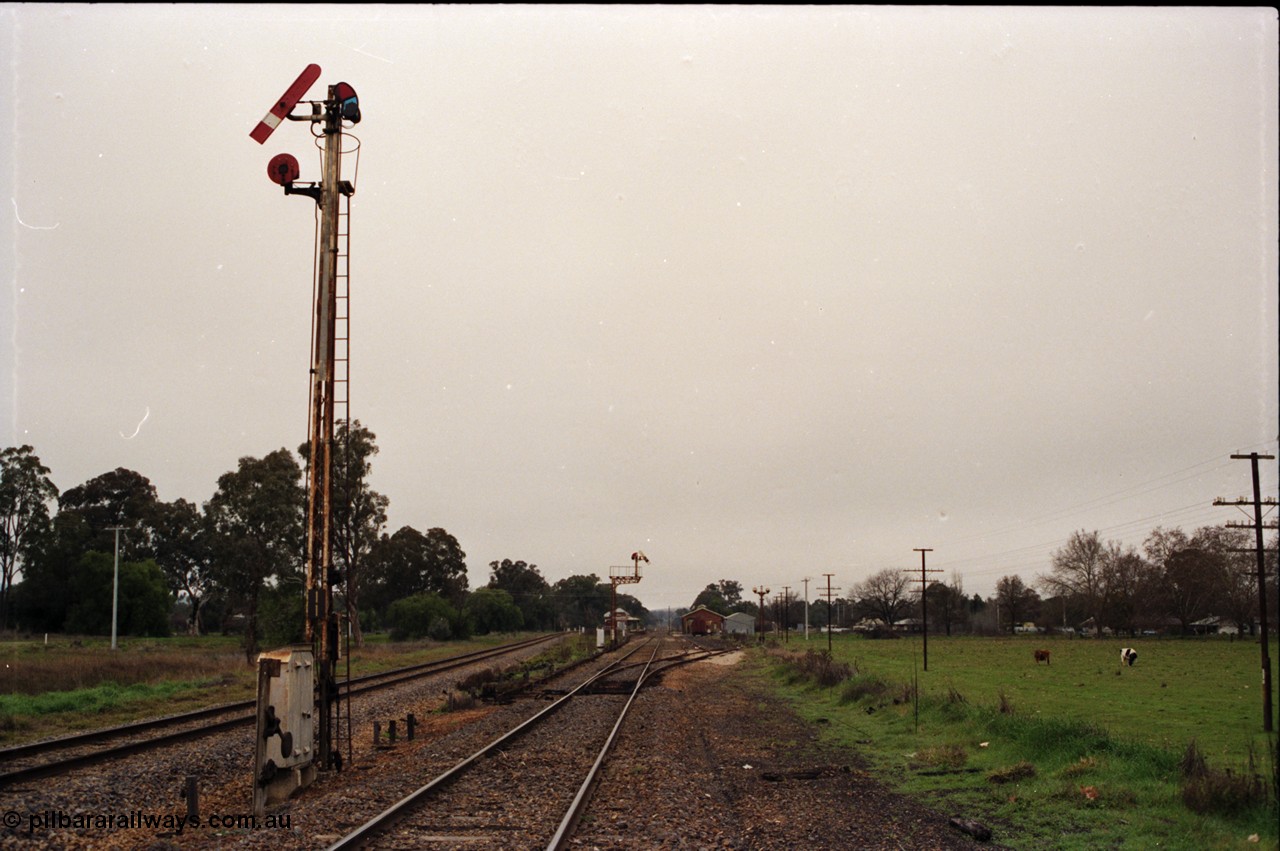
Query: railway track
point(30, 761)
point(529, 786)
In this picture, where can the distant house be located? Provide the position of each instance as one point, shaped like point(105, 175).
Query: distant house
point(702, 621)
point(1087, 627)
point(740, 623)
point(1214, 625)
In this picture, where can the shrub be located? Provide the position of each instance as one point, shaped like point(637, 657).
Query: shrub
point(492, 610)
point(943, 756)
point(473, 683)
point(1083, 766)
point(456, 701)
point(282, 616)
point(862, 687)
point(1223, 793)
point(1210, 791)
point(815, 666)
point(1193, 763)
point(1017, 771)
point(424, 615)
point(143, 600)
point(439, 629)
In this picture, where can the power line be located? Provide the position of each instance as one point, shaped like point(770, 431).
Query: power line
point(1059, 541)
point(1138, 489)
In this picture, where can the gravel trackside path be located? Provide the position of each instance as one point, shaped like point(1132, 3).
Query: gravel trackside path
point(691, 771)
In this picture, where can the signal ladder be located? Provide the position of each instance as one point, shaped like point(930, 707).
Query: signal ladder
point(342, 316)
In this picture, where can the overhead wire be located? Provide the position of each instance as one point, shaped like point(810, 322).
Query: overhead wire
point(1220, 462)
point(1038, 556)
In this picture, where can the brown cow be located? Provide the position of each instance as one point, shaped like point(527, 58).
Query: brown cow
point(1042, 656)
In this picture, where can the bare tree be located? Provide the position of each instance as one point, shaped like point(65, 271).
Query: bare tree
point(1198, 574)
point(884, 595)
point(1079, 570)
point(1130, 588)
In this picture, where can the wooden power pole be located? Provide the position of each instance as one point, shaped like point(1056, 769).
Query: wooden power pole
point(1260, 551)
point(924, 605)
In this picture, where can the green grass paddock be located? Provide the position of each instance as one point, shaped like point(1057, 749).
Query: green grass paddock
point(1207, 689)
point(1075, 754)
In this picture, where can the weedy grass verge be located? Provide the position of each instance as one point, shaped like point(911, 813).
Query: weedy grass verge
point(69, 684)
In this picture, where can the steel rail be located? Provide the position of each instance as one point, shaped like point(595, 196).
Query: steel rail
point(359, 685)
point(569, 823)
point(383, 820)
point(579, 804)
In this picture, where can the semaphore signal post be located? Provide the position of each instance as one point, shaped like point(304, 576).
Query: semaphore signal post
point(298, 695)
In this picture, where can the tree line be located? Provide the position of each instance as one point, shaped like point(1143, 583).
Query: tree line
point(1091, 585)
point(236, 562)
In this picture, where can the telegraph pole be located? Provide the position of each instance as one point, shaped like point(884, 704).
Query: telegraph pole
point(806, 608)
point(924, 606)
point(1260, 551)
point(115, 585)
point(829, 595)
point(786, 614)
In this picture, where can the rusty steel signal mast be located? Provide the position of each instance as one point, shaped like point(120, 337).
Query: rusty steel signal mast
point(621, 576)
point(760, 591)
point(340, 107)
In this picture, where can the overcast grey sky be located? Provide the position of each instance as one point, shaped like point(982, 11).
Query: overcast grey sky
point(765, 292)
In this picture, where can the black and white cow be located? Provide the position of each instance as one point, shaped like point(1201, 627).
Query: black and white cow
point(1128, 656)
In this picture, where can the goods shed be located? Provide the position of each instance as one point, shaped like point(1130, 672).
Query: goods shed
point(702, 621)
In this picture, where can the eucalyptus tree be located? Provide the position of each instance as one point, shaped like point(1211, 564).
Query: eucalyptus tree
point(713, 598)
point(122, 499)
point(581, 600)
point(26, 492)
point(359, 512)
point(185, 552)
point(410, 562)
point(114, 508)
point(257, 518)
point(527, 588)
